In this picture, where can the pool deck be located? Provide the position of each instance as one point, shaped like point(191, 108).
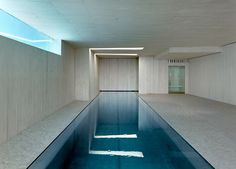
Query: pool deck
point(20, 151)
point(209, 126)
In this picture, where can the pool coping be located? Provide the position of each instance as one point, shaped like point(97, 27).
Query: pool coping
point(172, 128)
point(21, 151)
point(24, 148)
point(194, 119)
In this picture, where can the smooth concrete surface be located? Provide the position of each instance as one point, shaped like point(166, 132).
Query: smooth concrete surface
point(82, 74)
point(34, 84)
point(188, 52)
point(21, 150)
point(213, 76)
point(118, 74)
point(154, 24)
point(86, 74)
point(153, 75)
point(209, 126)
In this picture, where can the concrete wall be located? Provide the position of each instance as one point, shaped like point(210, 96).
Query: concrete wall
point(33, 84)
point(213, 76)
point(86, 74)
point(118, 74)
point(82, 73)
point(153, 75)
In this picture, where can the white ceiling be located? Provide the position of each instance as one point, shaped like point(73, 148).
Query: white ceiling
point(155, 24)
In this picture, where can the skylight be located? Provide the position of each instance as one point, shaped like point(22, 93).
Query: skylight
point(15, 29)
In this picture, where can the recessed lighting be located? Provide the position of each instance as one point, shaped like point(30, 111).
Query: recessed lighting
point(116, 54)
point(131, 48)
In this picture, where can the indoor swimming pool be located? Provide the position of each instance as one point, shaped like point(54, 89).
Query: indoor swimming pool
point(118, 130)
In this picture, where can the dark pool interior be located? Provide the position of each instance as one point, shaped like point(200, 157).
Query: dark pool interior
point(118, 130)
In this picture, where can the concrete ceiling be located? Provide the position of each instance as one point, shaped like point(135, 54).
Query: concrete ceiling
point(188, 52)
point(154, 24)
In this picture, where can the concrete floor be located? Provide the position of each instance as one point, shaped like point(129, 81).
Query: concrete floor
point(209, 126)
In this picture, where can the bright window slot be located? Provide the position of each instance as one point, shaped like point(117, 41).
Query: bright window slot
point(15, 29)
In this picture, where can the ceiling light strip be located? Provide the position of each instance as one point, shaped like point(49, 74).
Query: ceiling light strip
point(116, 54)
point(130, 48)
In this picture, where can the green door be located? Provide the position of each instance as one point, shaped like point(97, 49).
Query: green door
point(176, 79)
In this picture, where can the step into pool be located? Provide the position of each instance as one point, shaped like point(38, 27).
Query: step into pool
point(118, 130)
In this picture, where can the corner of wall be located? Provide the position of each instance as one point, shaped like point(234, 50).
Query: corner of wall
point(93, 75)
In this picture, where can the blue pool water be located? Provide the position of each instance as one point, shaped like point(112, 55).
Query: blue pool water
point(119, 131)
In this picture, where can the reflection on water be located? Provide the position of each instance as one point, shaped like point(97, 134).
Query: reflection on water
point(118, 130)
point(117, 136)
point(117, 153)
